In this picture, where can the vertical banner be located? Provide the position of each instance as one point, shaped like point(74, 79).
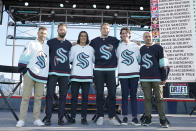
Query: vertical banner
point(177, 33)
point(155, 21)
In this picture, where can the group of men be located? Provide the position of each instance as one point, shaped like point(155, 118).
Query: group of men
point(48, 62)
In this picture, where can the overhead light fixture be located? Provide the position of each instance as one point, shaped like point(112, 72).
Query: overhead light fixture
point(115, 14)
point(94, 6)
point(52, 12)
point(141, 8)
point(107, 7)
point(26, 3)
point(74, 6)
point(61, 5)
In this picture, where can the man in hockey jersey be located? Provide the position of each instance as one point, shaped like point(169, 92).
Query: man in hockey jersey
point(34, 64)
point(128, 72)
point(104, 72)
point(153, 75)
point(59, 71)
point(82, 59)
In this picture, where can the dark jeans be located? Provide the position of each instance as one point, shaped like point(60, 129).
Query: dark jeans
point(129, 87)
point(107, 77)
point(63, 88)
point(75, 86)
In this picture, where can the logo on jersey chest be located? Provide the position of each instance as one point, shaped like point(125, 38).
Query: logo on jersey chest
point(82, 58)
point(106, 51)
point(127, 58)
point(61, 56)
point(41, 60)
point(146, 60)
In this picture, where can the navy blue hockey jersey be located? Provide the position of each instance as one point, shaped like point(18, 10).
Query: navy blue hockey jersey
point(105, 53)
point(152, 65)
point(59, 57)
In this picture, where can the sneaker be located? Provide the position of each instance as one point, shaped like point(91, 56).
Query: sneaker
point(20, 123)
point(125, 121)
point(72, 120)
point(164, 123)
point(61, 122)
point(146, 120)
point(38, 122)
point(135, 122)
point(114, 122)
point(84, 121)
point(99, 121)
point(46, 121)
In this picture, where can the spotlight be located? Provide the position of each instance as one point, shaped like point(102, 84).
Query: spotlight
point(115, 14)
point(141, 8)
point(26, 3)
point(94, 6)
point(52, 12)
point(61, 5)
point(107, 7)
point(74, 6)
point(12, 10)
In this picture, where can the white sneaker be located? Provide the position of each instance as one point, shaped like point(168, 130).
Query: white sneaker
point(20, 123)
point(99, 121)
point(114, 122)
point(38, 122)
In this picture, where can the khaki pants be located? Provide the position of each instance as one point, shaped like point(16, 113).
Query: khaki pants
point(27, 92)
point(158, 92)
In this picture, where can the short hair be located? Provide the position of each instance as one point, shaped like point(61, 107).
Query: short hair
point(87, 40)
point(126, 29)
point(42, 28)
point(105, 24)
point(62, 24)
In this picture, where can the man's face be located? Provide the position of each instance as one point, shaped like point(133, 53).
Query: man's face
point(62, 30)
point(147, 37)
point(42, 34)
point(125, 35)
point(105, 29)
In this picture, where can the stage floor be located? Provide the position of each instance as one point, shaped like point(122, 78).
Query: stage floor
point(178, 123)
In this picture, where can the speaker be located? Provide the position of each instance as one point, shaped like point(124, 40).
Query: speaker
point(1, 11)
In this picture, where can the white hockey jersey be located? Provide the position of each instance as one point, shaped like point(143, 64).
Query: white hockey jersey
point(82, 59)
point(35, 58)
point(128, 55)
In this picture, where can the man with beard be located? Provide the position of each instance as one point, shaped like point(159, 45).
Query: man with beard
point(105, 65)
point(59, 71)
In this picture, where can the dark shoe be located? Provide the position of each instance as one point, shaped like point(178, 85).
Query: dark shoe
point(125, 121)
point(47, 121)
point(67, 117)
point(84, 121)
point(135, 122)
point(164, 123)
point(61, 122)
point(146, 120)
point(72, 120)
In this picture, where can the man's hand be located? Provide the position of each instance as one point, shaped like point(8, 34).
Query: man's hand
point(163, 82)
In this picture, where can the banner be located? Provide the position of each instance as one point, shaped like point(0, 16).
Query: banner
point(174, 27)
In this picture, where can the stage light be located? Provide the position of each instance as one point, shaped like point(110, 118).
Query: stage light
point(115, 14)
point(26, 3)
point(141, 8)
point(94, 6)
point(74, 6)
point(107, 7)
point(52, 12)
point(61, 5)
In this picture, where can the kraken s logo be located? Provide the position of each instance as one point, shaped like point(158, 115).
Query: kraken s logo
point(82, 58)
point(105, 50)
point(61, 56)
point(147, 62)
point(41, 60)
point(126, 55)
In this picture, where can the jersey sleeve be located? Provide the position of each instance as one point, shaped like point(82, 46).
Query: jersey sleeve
point(24, 58)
